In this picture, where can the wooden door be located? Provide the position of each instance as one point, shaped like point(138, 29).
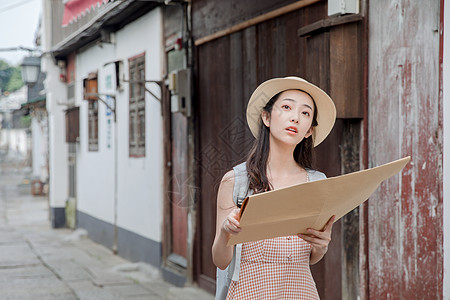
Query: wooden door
point(176, 200)
point(179, 190)
point(223, 136)
point(228, 70)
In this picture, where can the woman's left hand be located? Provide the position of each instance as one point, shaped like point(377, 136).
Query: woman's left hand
point(319, 241)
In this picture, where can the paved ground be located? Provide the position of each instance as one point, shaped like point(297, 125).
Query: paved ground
point(37, 262)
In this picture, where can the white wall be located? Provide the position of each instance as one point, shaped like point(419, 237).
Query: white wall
point(56, 94)
point(95, 169)
point(140, 179)
point(446, 167)
point(39, 148)
point(16, 142)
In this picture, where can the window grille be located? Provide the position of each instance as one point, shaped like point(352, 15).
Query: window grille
point(90, 91)
point(137, 106)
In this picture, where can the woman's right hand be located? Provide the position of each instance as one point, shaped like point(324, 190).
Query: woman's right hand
point(231, 223)
point(227, 222)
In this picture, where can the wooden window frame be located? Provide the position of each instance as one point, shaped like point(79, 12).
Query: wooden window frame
point(90, 85)
point(136, 114)
point(93, 125)
point(72, 124)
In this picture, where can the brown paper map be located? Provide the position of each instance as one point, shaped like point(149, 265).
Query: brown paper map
point(292, 210)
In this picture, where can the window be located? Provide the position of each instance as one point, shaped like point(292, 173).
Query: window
point(137, 105)
point(93, 125)
point(90, 91)
point(72, 124)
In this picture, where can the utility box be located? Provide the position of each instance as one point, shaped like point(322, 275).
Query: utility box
point(341, 7)
point(180, 87)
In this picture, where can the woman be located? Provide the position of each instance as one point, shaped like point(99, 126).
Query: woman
point(288, 116)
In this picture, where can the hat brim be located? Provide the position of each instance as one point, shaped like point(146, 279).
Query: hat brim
point(326, 110)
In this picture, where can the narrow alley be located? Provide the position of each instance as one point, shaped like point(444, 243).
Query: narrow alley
point(37, 262)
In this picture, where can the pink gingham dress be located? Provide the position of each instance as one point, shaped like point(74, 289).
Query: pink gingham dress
point(275, 268)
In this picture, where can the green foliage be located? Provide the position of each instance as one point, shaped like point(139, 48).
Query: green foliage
point(10, 77)
point(26, 121)
point(15, 81)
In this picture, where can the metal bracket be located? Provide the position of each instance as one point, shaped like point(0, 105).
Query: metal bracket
point(143, 82)
point(103, 101)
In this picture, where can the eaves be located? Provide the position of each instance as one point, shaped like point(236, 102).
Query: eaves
point(119, 14)
point(35, 103)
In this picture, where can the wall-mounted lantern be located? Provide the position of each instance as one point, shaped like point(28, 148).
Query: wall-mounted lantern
point(31, 66)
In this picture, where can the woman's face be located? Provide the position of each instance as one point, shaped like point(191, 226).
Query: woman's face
point(291, 117)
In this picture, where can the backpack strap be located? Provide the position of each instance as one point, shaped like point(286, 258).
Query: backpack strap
point(240, 192)
point(224, 277)
point(315, 175)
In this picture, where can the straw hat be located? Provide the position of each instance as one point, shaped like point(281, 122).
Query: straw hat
point(326, 111)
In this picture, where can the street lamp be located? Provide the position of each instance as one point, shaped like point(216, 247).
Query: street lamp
point(30, 69)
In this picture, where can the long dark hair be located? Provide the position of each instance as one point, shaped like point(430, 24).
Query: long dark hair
point(259, 154)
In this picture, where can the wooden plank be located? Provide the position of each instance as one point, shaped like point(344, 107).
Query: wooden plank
point(279, 45)
point(213, 156)
point(346, 71)
point(235, 134)
point(264, 52)
point(327, 273)
point(317, 63)
point(172, 21)
point(236, 74)
point(325, 24)
point(405, 215)
point(250, 63)
point(350, 156)
point(363, 209)
point(167, 148)
point(179, 185)
point(293, 58)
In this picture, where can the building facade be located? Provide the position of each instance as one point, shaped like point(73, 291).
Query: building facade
point(146, 107)
point(105, 123)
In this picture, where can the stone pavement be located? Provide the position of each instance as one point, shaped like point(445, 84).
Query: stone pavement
point(38, 262)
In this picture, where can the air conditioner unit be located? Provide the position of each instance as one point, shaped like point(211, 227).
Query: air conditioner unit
point(71, 94)
point(69, 99)
point(341, 7)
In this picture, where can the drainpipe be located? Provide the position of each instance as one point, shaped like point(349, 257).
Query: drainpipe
point(116, 179)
